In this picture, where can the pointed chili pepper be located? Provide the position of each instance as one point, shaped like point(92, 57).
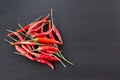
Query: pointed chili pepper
point(57, 34)
point(45, 18)
point(36, 29)
point(36, 25)
point(47, 48)
point(48, 57)
point(24, 28)
point(26, 48)
point(25, 42)
point(41, 27)
point(37, 35)
point(20, 50)
point(45, 62)
point(45, 56)
point(46, 40)
point(19, 31)
point(22, 38)
point(29, 56)
point(49, 28)
point(55, 29)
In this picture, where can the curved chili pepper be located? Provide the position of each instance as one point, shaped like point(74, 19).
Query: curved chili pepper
point(55, 30)
point(22, 38)
point(36, 25)
point(29, 56)
point(45, 56)
point(23, 29)
point(40, 27)
point(48, 57)
point(37, 35)
point(35, 30)
point(20, 50)
point(45, 18)
point(26, 48)
point(45, 62)
point(46, 40)
point(49, 28)
point(25, 42)
point(47, 48)
point(17, 34)
point(19, 31)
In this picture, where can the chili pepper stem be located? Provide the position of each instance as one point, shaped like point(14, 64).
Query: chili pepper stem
point(19, 32)
point(36, 19)
point(26, 36)
point(52, 17)
point(61, 56)
point(17, 53)
point(36, 50)
point(8, 41)
point(21, 27)
point(9, 30)
point(60, 61)
point(65, 59)
point(12, 38)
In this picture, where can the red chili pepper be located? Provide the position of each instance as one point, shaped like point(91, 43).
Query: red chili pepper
point(55, 29)
point(20, 50)
point(37, 35)
point(45, 56)
point(47, 48)
point(51, 52)
point(19, 36)
point(23, 29)
point(26, 48)
point(22, 38)
point(48, 57)
point(57, 34)
point(40, 27)
point(46, 40)
point(50, 27)
point(25, 42)
point(36, 25)
point(45, 62)
point(45, 18)
point(35, 30)
point(29, 56)
point(19, 31)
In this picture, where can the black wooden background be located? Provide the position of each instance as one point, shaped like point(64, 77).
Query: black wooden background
point(90, 30)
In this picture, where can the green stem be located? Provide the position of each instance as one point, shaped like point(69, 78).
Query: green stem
point(8, 41)
point(59, 54)
point(52, 18)
point(12, 38)
point(21, 27)
point(60, 61)
point(65, 59)
point(36, 19)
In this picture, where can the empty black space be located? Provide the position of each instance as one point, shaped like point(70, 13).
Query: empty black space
point(90, 30)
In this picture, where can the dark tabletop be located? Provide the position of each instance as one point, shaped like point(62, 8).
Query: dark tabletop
point(90, 30)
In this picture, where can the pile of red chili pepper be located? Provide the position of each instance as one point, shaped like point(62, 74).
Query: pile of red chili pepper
point(39, 41)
